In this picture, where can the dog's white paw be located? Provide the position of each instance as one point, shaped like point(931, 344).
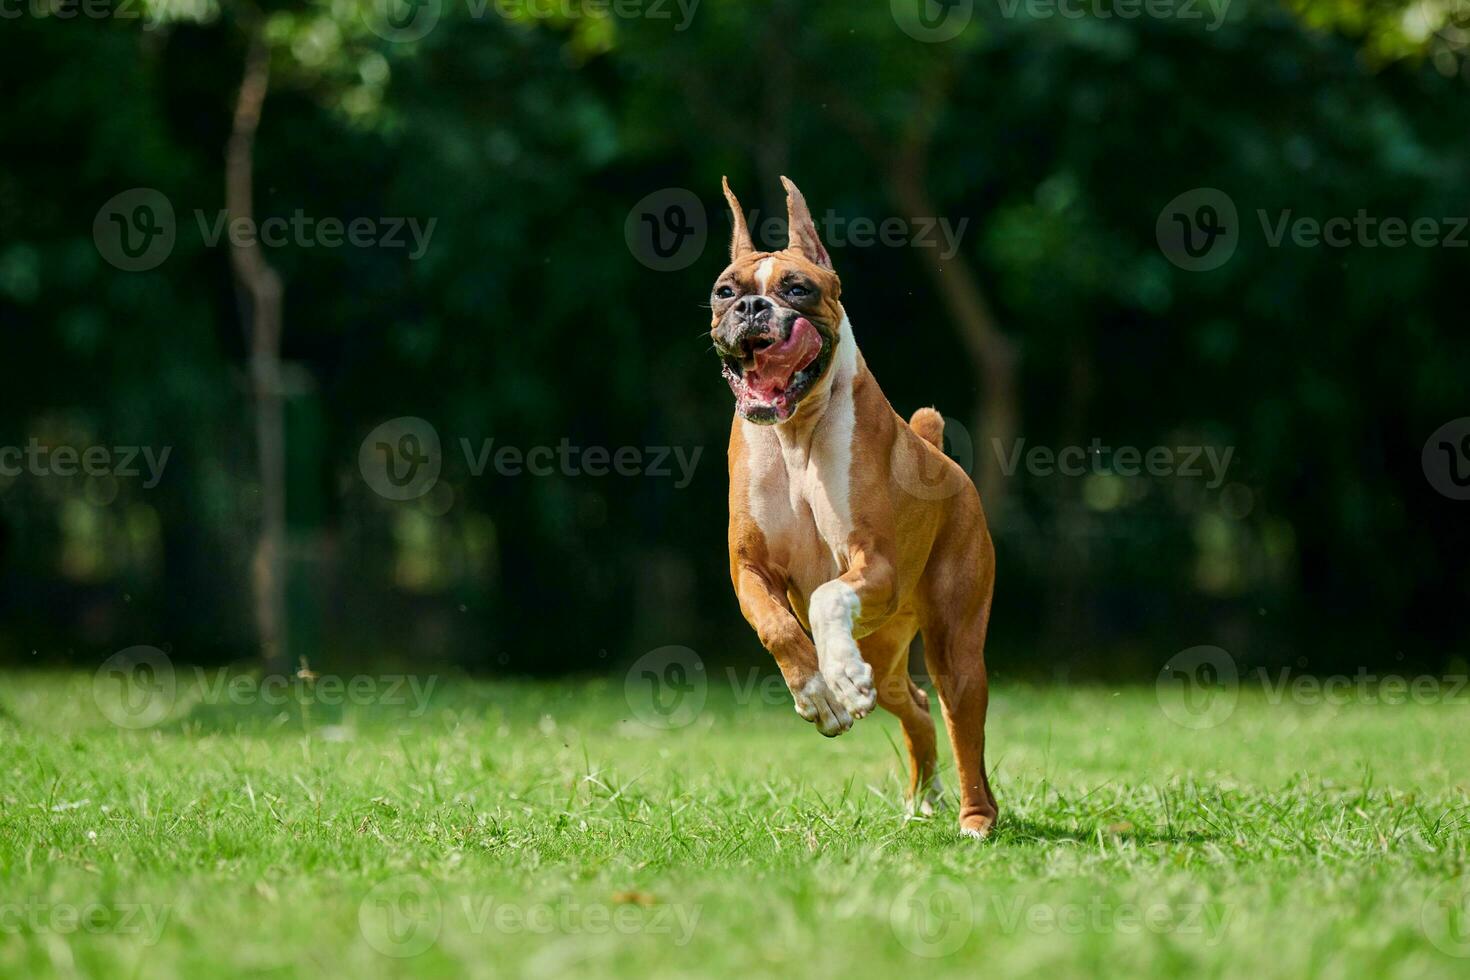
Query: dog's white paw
point(849, 676)
point(834, 609)
point(816, 703)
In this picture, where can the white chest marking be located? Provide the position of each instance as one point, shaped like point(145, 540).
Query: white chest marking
point(791, 478)
point(796, 472)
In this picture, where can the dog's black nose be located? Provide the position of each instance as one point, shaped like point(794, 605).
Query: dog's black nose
point(751, 307)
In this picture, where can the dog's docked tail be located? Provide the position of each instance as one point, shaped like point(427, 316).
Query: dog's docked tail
point(929, 425)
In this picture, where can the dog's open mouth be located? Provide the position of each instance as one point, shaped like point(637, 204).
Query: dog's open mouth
point(771, 379)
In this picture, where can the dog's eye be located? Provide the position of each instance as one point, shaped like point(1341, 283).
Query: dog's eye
point(724, 292)
point(797, 291)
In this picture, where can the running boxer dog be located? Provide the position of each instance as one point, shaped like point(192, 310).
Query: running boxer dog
point(850, 529)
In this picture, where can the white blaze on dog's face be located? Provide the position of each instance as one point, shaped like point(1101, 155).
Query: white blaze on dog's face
point(776, 316)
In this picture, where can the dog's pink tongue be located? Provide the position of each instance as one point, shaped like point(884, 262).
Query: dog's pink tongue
point(775, 365)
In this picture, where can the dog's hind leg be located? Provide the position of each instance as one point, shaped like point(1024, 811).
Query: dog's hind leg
point(956, 663)
point(887, 651)
point(954, 622)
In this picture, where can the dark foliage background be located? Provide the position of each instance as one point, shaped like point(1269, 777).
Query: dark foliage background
point(528, 139)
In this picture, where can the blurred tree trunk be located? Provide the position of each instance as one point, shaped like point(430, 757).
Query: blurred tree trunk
point(992, 355)
point(260, 289)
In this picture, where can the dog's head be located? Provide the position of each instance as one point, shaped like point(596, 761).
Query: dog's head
point(776, 315)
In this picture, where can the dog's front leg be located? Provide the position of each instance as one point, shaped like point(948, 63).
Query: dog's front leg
point(767, 612)
point(843, 610)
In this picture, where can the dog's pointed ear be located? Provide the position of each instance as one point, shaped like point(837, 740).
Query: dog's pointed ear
point(740, 243)
point(801, 229)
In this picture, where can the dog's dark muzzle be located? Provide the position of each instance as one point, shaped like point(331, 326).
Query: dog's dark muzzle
point(752, 323)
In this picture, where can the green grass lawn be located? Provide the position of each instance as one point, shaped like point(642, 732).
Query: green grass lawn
point(543, 830)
